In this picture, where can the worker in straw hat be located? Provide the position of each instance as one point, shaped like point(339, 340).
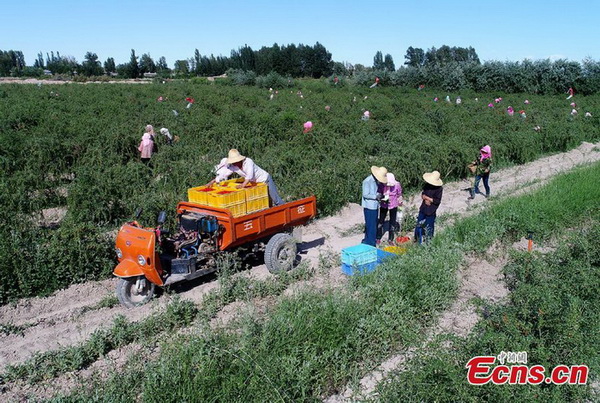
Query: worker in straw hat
point(370, 202)
point(432, 197)
point(247, 169)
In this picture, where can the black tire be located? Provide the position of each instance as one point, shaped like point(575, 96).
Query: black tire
point(127, 294)
point(280, 253)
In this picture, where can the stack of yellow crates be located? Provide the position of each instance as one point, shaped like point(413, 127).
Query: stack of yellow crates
point(230, 199)
point(225, 195)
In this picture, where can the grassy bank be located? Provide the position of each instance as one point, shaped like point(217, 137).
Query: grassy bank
point(552, 314)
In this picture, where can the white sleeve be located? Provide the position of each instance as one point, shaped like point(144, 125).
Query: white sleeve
point(222, 171)
point(248, 169)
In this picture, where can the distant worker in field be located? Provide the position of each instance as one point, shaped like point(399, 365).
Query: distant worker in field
point(169, 137)
point(247, 169)
point(391, 202)
point(571, 92)
point(370, 202)
point(432, 197)
point(146, 148)
point(376, 83)
point(483, 165)
point(150, 130)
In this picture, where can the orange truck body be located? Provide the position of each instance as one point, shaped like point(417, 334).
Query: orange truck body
point(134, 241)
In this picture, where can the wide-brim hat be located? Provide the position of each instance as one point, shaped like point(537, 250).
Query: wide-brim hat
point(433, 178)
point(234, 156)
point(380, 173)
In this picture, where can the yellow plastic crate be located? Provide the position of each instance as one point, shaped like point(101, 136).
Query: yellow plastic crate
point(254, 190)
point(257, 191)
point(257, 204)
point(225, 197)
point(199, 194)
point(237, 209)
point(230, 183)
point(398, 250)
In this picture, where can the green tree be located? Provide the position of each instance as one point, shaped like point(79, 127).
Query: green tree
point(133, 69)
point(39, 62)
point(60, 64)
point(248, 61)
point(11, 62)
point(147, 64)
point(322, 64)
point(378, 61)
point(109, 66)
point(162, 67)
point(182, 67)
point(415, 57)
point(197, 62)
point(388, 63)
point(91, 66)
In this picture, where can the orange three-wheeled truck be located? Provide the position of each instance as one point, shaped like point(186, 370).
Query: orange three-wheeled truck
point(150, 257)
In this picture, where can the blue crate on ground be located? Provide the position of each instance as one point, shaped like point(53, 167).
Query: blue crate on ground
point(380, 256)
point(383, 255)
point(359, 254)
point(351, 270)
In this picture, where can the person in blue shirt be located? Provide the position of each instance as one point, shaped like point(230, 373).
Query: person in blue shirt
point(370, 202)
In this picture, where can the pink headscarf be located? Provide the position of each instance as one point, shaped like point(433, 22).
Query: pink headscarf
point(146, 141)
point(391, 179)
point(486, 152)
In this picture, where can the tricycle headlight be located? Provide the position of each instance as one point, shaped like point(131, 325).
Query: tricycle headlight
point(119, 253)
point(141, 260)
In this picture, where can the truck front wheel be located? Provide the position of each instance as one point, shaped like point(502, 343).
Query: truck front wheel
point(134, 291)
point(280, 253)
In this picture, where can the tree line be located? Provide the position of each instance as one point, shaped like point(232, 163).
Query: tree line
point(448, 68)
point(287, 60)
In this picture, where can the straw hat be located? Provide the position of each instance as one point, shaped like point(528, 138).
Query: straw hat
point(433, 178)
point(234, 156)
point(380, 173)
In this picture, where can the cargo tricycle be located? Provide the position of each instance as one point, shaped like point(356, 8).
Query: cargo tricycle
point(150, 257)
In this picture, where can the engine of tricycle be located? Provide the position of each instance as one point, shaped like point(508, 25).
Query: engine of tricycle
point(192, 245)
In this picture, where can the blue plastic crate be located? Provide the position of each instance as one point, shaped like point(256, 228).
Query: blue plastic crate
point(351, 270)
point(359, 255)
point(382, 255)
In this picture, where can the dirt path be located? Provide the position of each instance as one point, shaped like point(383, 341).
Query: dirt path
point(67, 318)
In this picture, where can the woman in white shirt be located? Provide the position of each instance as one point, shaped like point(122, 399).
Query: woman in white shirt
point(247, 169)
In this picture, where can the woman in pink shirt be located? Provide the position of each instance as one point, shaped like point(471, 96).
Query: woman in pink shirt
point(392, 199)
point(146, 147)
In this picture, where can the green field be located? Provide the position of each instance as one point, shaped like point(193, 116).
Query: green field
point(75, 147)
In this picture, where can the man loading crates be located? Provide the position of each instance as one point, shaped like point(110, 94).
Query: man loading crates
point(247, 169)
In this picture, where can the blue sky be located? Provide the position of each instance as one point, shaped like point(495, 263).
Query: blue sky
point(351, 30)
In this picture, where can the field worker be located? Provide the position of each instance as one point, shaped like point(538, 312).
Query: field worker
point(432, 197)
point(370, 202)
point(165, 132)
point(145, 148)
point(150, 131)
point(483, 166)
point(392, 199)
point(247, 169)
